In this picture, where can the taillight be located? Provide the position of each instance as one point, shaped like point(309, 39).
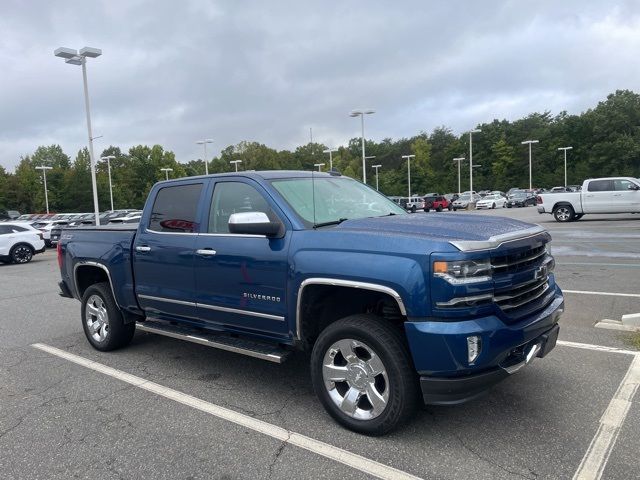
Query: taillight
point(539, 200)
point(59, 250)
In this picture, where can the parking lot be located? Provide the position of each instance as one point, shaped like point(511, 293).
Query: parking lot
point(163, 408)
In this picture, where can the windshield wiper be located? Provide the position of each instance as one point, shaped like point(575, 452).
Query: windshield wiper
point(332, 222)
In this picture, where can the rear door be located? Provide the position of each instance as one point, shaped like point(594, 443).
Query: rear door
point(599, 197)
point(241, 279)
point(626, 199)
point(163, 251)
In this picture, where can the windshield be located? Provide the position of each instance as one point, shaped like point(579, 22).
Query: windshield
point(464, 198)
point(492, 197)
point(519, 195)
point(335, 199)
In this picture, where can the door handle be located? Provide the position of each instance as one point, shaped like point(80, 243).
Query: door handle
point(143, 248)
point(616, 194)
point(207, 252)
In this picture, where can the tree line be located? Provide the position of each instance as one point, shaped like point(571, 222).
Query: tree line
point(605, 141)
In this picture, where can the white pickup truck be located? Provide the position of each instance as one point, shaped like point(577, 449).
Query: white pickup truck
point(598, 195)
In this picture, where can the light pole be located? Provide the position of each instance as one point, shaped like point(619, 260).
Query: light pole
point(471, 132)
point(459, 159)
point(376, 168)
point(44, 174)
point(529, 142)
point(319, 165)
point(74, 57)
point(108, 159)
point(361, 114)
point(166, 171)
point(236, 162)
point(206, 162)
point(330, 151)
point(409, 157)
point(565, 162)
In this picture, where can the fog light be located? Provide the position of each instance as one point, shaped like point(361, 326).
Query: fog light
point(474, 345)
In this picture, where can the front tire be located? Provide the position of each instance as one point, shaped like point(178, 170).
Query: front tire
point(363, 374)
point(21, 253)
point(564, 213)
point(439, 209)
point(102, 321)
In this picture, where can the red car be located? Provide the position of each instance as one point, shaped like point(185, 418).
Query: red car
point(437, 203)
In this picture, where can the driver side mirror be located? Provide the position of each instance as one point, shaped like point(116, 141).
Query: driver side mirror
point(633, 186)
point(255, 223)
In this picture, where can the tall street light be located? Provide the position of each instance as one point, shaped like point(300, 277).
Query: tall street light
point(73, 57)
point(108, 159)
point(459, 159)
point(166, 171)
point(330, 151)
point(319, 165)
point(376, 167)
point(206, 161)
point(409, 157)
point(361, 114)
point(44, 174)
point(471, 158)
point(236, 162)
point(565, 162)
point(529, 142)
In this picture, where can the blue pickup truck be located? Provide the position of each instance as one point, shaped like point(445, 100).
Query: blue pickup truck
point(393, 308)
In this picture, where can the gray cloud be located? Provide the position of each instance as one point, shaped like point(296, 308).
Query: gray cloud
point(175, 72)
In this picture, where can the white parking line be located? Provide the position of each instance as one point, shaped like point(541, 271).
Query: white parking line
point(595, 460)
point(599, 348)
point(608, 294)
point(369, 467)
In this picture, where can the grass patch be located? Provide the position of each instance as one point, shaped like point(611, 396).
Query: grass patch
point(634, 340)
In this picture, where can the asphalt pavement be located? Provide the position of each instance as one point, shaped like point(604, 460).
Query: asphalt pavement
point(163, 408)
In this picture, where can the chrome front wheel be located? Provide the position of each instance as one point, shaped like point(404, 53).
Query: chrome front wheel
point(356, 379)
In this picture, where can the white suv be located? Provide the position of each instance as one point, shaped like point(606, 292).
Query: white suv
point(19, 242)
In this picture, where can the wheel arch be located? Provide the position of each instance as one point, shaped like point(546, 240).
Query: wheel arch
point(562, 203)
point(22, 243)
point(89, 273)
point(332, 294)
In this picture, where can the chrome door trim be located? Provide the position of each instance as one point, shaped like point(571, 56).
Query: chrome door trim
point(87, 263)
point(242, 312)
point(343, 283)
point(214, 307)
point(235, 235)
point(168, 300)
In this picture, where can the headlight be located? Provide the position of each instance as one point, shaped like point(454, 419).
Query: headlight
point(463, 271)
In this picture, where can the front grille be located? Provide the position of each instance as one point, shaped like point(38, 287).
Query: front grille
point(519, 261)
point(522, 294)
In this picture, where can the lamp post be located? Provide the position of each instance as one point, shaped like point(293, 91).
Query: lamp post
point(409, 157)
point(459, 159)
point(166, 171)
point(376, 168)
point(74, 57)
point(44, 174)
point(565, 162)
point(471, 132)
point(319, 165)
point(206, 162)
point(236, 162)
point(108, 158)
point(529, 142)
point(361, 114)
point(330, 151)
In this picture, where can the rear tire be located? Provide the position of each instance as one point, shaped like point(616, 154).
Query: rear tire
point(564, 213)
point(102, 320)
point(413, 209)
point(21, 253)
point(376, 364)
point(426, 209)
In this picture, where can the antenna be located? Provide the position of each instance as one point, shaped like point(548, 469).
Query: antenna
point(313, 195)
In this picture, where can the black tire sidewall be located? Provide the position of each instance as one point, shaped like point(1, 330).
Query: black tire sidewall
point(394, 353)
point(120, 334)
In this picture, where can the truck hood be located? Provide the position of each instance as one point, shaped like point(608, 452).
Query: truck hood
point(465, 232)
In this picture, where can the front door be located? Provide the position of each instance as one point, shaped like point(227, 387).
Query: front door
point(626, 199)
point(241, 279)
point(164, 250)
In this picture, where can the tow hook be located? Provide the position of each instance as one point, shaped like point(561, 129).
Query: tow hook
point(530, 354)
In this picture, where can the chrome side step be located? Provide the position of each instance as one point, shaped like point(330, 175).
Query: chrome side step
point(251, 348)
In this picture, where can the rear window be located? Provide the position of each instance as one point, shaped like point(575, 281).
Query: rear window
point(174, 210)
point(600, 186)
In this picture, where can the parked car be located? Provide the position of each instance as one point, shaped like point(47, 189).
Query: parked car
point(437, 203)
point(9, 215)
point(19, 242)
point(491, 201)
point(463, 201)
point(386, 307)
point(46, 226)
point(558, 190)
point(598, 195)
point(521, 199)
point(414, 204)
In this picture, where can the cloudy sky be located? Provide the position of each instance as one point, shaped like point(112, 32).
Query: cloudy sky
point(175, 72)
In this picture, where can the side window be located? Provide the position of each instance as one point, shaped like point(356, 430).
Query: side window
point(600, 186)
point(174, 209)
point(4, 229)
point(234, 197)
point(16, 229)
point(622, 185)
